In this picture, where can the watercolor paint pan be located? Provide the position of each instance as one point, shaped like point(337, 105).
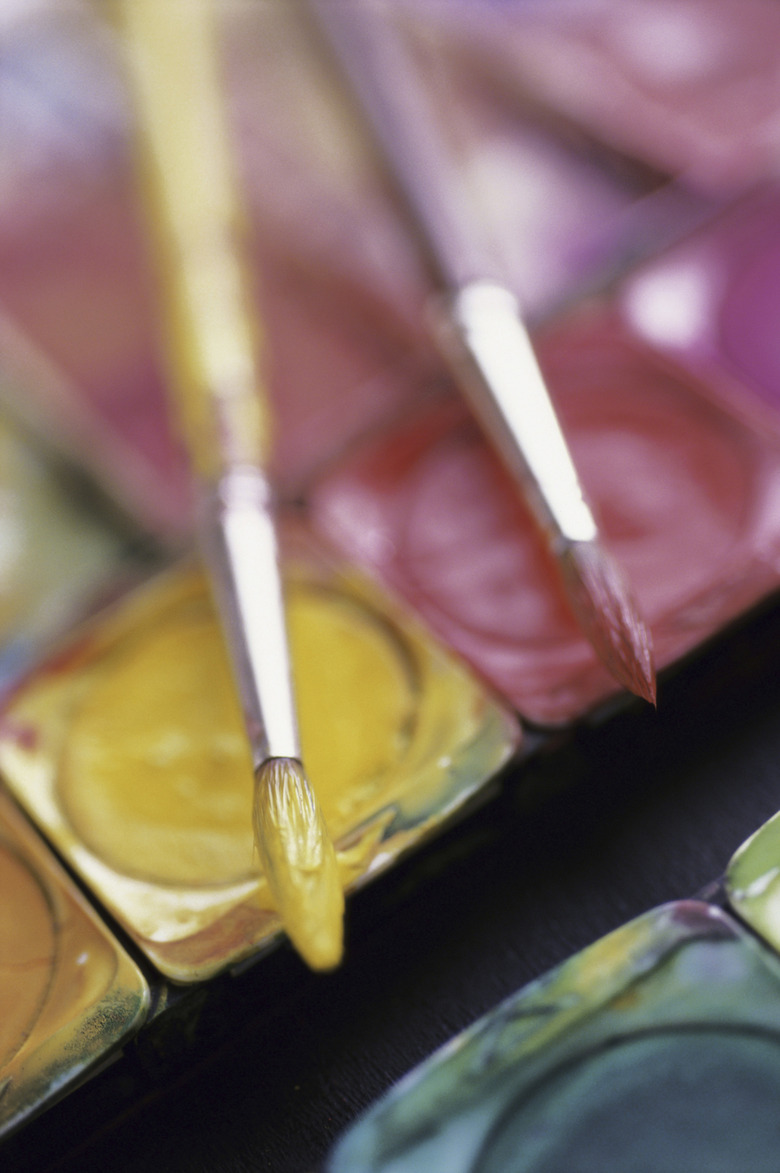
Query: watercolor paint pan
point(340, 288)
point(688, 88)
point(658, 1047)
point(708, 303)
point(432, 738)
point(70, 996)
point(634, 1054)
point(685, 493)
point(113, 746)
point(751, 882)
point(63, 553)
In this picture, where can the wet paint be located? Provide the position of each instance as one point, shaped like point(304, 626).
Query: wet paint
point(132, 756)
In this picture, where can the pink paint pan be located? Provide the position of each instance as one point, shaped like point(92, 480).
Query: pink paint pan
point(691, 87)
point(685, 494)
point(710, 304)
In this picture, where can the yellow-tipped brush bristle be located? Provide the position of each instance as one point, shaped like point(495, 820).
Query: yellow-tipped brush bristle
point(299, 861)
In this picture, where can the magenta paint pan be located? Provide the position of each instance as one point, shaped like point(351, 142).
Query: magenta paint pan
point(710, 303)
point(684, 493)
point(691, 87)
point(339, 289)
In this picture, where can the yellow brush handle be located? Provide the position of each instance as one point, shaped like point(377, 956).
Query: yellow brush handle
point(172, 51)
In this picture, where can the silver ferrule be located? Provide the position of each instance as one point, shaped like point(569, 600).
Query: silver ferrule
point(241, 546)
point(486, 338)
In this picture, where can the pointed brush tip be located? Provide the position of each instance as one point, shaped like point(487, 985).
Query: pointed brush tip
point(648, 689)
point(623, 645)
point(643, 684)
point(609, 617)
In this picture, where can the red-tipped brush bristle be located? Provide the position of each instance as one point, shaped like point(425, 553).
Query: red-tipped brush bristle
point(608, 616)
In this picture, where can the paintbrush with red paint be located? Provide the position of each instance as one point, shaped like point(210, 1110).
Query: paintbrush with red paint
point(479, 324)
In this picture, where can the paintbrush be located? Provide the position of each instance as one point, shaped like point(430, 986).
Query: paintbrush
point(218, 394)
point(479, 325)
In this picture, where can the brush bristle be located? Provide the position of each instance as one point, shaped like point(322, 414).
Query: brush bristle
point(608, 616)
point(299, 861)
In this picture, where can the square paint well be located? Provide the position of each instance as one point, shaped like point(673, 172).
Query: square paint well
point(69, 994)
point(128, 748)
point(753, 882)
point(691, 87)
point(709, 303)
point(59, 553)
point(656, 1048)
point(685, 494)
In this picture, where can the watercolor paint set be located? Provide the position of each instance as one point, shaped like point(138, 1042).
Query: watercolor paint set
point(433, 646)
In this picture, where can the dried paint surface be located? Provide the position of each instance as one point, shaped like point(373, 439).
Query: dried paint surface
point(656, 1048)
point(141, 773)
point(753, 881)
point(690, 86)
point(709, 304)
point(683, 492)
point(53, 554)
point(68, 992)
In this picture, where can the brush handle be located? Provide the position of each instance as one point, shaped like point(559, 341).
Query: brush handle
point(383, 78)
point(225, 419)
point(214, 371)
point(479, 320)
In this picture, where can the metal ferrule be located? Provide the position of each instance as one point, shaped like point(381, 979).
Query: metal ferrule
point(242, 551)
point(486, 338)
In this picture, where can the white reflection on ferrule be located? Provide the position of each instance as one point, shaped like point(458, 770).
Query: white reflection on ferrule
point(510, 398)
point(249, 593)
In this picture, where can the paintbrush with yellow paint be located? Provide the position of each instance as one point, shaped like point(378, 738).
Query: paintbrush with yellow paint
point(217, 388)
